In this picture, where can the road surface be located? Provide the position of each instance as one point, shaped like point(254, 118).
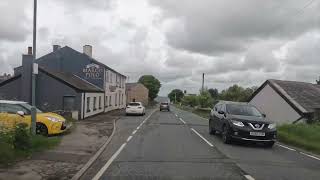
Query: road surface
point(176, 145)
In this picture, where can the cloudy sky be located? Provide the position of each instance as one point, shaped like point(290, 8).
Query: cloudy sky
point(233, 42)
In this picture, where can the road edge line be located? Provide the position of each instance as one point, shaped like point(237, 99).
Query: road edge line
point(96, 155)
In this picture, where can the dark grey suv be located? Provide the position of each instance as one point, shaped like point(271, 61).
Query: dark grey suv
point(241, 121)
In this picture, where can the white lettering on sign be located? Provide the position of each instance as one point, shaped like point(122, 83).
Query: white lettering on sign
point(93, 71)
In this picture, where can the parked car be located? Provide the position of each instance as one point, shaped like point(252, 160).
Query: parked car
point(164, 106)
point(16, 112)
point(135, 108)
point(241, 121)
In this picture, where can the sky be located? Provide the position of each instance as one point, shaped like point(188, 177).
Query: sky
point(241, 42)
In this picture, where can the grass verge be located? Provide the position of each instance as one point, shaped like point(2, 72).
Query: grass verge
point(304, 136)
point(200, 112)
point(10, 153)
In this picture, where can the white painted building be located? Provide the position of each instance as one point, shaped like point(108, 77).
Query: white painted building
point(287, 101)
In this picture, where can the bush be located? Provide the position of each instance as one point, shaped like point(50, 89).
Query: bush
point(22, 138)
point(190, 101)
point(205, 100)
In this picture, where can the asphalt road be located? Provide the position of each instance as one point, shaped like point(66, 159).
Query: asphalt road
point(176, 145)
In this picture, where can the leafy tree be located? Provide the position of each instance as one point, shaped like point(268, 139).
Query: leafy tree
point(176, 95)
point(214, 93)
point(190, 100)
point(237, 93)
point(205, 99)
point(152, 83)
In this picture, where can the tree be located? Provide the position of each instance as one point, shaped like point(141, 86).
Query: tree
point(237, 93)
point(152, 83)
point(175, 95)
point(205, 99)
point(214, 93)
point(190, 100)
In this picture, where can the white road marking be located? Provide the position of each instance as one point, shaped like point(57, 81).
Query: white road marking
point(249, 177)
point(202, 137)
point(105, 167)
point(134, 132)
point(176, 115)
point(310, 156)
point(182, 121)
point(286, 147)
point(138, 127)
point(129, 138)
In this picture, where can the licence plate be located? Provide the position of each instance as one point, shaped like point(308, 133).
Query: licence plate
point(257, 134)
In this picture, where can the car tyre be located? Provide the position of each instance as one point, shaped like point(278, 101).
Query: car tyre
point(212, 131)
point(41, 129)
point(225, 135)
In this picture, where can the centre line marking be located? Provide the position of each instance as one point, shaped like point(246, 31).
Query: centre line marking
point(134, 132)
point(286, 147)
point(105, 167)
point(182, 121)
point(176, 115)
point(129, 138)
point(310, 156)
point(138, 127)
point(249, 177)
point(202, 137)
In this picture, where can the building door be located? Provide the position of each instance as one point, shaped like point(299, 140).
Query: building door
point(68, 103)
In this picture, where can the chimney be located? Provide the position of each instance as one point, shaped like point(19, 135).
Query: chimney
point(87, 49)
point(29, 50)
point(26, 76)
point(56, 47)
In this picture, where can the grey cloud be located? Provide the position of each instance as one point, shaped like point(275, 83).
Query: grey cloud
point(85, 4)
point(15, 25)
point(215, 27)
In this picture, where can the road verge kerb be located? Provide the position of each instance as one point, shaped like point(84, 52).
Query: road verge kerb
point(96, 155)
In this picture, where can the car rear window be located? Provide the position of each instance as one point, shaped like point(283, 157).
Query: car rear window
point(164, 103)
point(134, 104)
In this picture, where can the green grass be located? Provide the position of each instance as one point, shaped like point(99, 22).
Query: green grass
point(200, 112)
point(304, 136)
point(9, 154)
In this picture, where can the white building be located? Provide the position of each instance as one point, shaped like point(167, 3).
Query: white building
point(287, 101)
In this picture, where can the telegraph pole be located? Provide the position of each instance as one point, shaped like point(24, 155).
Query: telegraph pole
point(202, 87)
point(33, 109)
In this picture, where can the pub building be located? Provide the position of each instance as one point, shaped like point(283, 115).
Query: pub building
point(67, 80)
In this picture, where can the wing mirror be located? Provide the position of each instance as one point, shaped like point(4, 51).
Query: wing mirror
point(264, 115)
point(221, 112)
point(21, 113)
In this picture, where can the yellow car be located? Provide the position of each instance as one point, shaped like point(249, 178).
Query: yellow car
point(15, 112)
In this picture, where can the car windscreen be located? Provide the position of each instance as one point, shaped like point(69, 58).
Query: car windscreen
point(28, 106)
point(164, 103)
point(243, 110)
point(134, 104)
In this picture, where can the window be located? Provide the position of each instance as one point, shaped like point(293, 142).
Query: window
point(110, 101)
point(94, 103)
point(115, 99)
point(119, 100)
point(13, 109)
point(106, 101)
point(122, 100)
point(107, 76)
point(223, 108)
point(217, 107)
point(100, 102)
point(244, 110)
point(88, 104)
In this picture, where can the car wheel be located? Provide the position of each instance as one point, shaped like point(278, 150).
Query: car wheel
point(41, 129)
point(225, 135)
point(269, 144)
point(212, 131)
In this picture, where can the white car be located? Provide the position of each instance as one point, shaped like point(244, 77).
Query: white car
point(135, 108)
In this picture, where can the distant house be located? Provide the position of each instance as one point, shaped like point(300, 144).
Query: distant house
point(137, 92)
point(287, 101)
point(68, 80)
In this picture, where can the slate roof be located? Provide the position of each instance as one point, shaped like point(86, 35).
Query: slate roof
point(130, 85)
point(302, 96)
point(72, 81)
point(71, 52)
